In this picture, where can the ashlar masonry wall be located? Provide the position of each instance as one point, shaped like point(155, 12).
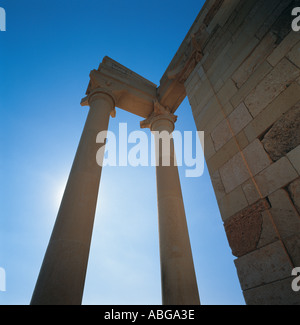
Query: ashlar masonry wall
point(245, 96)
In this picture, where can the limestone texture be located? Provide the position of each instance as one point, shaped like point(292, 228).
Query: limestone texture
point(284, 135)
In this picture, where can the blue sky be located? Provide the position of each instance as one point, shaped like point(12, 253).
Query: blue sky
point(46, 55)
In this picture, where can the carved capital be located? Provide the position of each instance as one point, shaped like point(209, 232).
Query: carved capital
point(98, 92)
point(159, 113)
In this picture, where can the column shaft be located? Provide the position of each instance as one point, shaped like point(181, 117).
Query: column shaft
point(179, 285)
point(62, 275)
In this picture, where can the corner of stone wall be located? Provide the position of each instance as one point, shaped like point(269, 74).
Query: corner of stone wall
point(245, 96)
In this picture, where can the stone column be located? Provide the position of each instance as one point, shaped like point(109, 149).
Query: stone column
point(179, 285)
point(62, 275)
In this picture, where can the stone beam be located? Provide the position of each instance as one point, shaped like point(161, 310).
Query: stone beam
point(132, 92)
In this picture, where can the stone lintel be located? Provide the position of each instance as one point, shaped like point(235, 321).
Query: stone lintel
point(136, 94)
point(132, 92)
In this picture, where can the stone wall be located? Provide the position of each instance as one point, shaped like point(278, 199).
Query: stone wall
point(245, 94)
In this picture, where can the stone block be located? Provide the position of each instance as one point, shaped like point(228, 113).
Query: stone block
point(284, 134)
point(243, 229)
point(220, 64)
point(223, 13)
point(215, 46)
point(278, 21)
point(217, 185)
point(252, 81)
point(294, 158)
point(258, 16)
point(251, 191)
point(294, 190)
point(236, 121)
point(292, 244)
point(275, 176)
point(268, 233)
point(284, 214)
point(242, 11)
point(192, 102)
point(234, 172)
point(275, 293)
point(226, 92)
point(242, 166)
point(209, 149)
point(271, 86)
point(230, 148)
point(256, 157)
point(204, 93)
point(232, 202)
point(221, 134)
point(283, 48)
point(191, 83)
point(239, 53)
point(294, 55)
point(255, 59)
point(204, 114)
point(264, 265)
point(273, 111)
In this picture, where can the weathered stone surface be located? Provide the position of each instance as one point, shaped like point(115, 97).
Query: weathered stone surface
point(227, 151)
point(294, 55)
point(212, 11)
point(278, 21)
point(256, 157)
point(264, 265)
point(271, 86)
point(284, 214)
point(275, 293)
point(248, 67)
point(281, 104)
point(283, 48)
point(218, 185)
point(244, 228)
point(251, 83)
point(294, 190)
point(275, 176)
point(284, 134)
point(234, 172)
point(250, 190)
point(294, 158)
point(292, 244)
point(209, 148)
point(268, 232)
point(239, 118)
point(242, 166)
point(226, 92)
point(232, 203)
point(235, 122)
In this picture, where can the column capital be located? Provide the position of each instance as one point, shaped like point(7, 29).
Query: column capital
point(160, 113)
point(92, 95)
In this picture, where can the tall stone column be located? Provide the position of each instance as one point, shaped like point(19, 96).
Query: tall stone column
point(179, 285)
point(62, 275)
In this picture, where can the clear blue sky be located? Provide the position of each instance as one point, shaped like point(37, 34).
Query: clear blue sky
point(45, 58)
